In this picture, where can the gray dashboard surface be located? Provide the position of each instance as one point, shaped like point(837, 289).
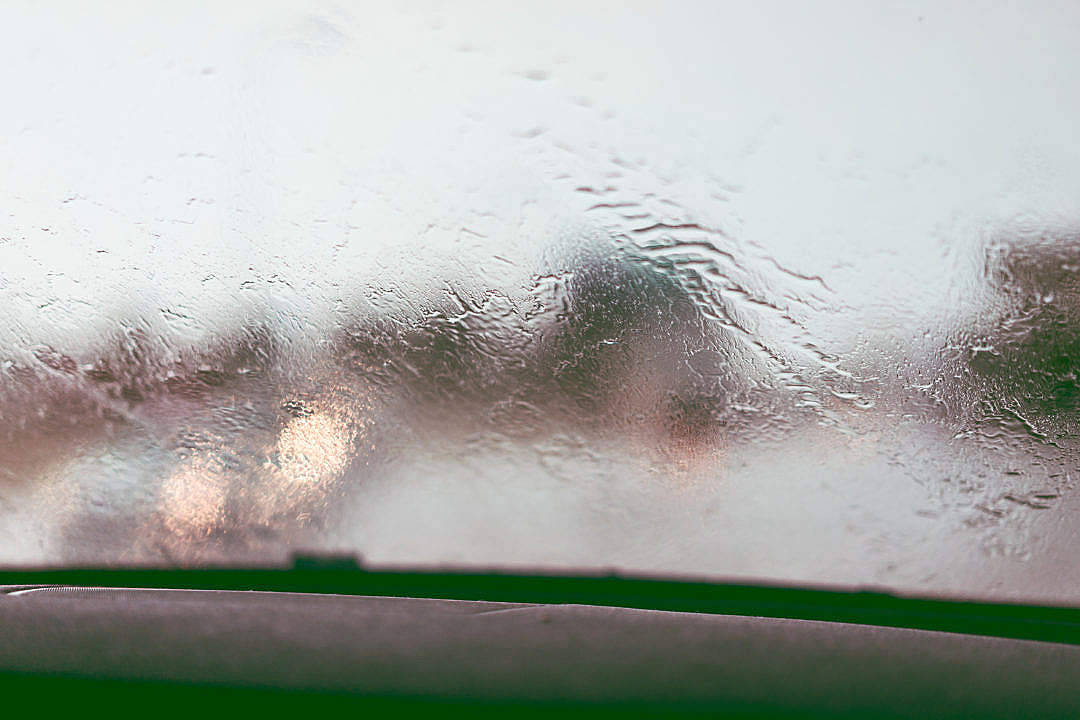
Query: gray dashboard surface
point(517, 652)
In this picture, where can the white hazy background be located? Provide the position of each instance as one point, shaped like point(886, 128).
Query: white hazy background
point(230, 161)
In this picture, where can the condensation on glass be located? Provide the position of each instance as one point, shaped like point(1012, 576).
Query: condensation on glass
point(745, 290)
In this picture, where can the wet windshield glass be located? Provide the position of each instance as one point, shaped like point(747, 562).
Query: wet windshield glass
point(733, 290)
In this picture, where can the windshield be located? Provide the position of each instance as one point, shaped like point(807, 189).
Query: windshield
point(735, 290)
